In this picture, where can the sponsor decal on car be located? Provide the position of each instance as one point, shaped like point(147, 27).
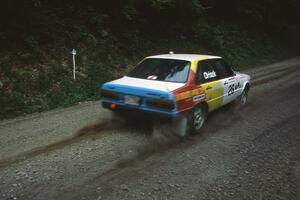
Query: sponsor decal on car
point(199, 97)
point(209, 74)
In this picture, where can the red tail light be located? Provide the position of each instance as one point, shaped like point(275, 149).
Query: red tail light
point(160, 103)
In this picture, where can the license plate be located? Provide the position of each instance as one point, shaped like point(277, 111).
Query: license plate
point(132, 100)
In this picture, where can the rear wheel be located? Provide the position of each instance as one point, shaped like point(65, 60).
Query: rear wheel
point(198, 118)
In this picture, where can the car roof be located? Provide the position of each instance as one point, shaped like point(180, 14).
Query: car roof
point(188, 57)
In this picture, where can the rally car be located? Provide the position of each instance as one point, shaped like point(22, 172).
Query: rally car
point(175, 87)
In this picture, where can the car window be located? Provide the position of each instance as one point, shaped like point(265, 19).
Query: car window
point(206, 72)
point(159, 69)
point(222, 69)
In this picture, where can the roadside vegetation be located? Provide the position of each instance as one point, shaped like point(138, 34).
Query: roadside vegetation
point(110, 37)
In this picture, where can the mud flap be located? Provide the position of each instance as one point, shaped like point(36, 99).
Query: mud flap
point(180, 127)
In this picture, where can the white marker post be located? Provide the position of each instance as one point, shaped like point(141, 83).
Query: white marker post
point(74, 64)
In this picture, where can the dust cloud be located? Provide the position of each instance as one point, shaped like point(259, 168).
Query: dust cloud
point(165, 136)
point(162, 138)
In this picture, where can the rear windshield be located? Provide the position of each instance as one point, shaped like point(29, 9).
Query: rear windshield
point(159, 69)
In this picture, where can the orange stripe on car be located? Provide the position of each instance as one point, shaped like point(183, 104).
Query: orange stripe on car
point(188, 94)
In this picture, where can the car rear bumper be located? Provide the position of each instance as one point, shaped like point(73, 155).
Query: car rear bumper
point(142, 114)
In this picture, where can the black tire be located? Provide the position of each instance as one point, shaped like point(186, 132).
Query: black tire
point(198, 119)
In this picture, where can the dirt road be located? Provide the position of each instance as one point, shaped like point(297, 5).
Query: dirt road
point(77, 153)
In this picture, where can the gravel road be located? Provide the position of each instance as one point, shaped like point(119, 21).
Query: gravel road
point(78, 153)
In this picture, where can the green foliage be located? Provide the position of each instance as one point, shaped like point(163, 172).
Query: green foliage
point(240, 48)
point(12, 104)
point(161, 5)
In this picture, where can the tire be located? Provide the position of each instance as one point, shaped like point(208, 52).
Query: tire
point(242, 100)
point(198, 119)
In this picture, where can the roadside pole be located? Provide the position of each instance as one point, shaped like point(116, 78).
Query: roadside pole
point(74, 64)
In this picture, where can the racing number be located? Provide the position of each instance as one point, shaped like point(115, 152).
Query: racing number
point(230, 89)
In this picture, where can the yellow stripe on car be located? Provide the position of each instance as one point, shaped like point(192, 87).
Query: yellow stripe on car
point(214, 96)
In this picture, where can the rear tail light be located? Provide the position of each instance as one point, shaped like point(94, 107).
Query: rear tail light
point(113, 106)
point(109, 95)
point(160, 103)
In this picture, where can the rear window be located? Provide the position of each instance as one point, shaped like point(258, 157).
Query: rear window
point(159, 69)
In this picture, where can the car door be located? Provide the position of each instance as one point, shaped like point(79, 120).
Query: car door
point(228, 80)
point(206, 76)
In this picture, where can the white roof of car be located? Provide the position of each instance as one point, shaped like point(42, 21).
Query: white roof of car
point(188, 57)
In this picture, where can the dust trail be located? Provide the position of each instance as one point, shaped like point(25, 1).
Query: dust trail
point(97, 129)
point(162, 138)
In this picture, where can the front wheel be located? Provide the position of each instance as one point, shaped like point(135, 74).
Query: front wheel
point(242, 100)
point(198, 118)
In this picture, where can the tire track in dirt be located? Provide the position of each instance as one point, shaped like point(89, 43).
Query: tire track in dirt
point(273, 67)
point(263, 75)
point(277, 76)
point(85, 133)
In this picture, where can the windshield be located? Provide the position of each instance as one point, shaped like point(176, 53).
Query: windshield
point(162, 70)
